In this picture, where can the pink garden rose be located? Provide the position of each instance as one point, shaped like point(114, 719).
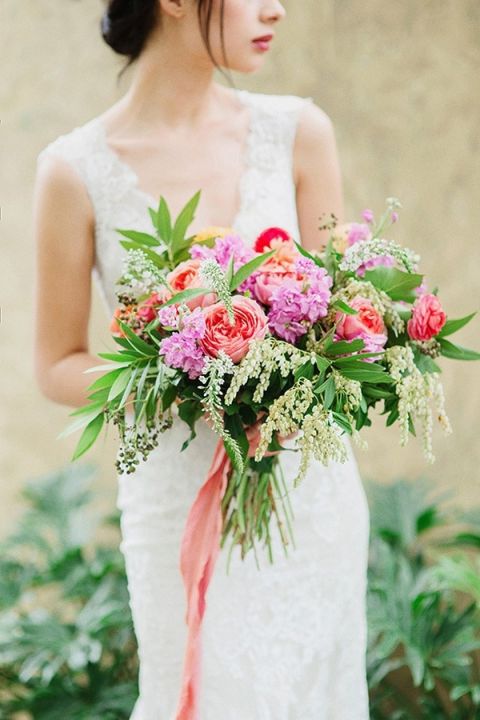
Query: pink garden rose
point(274, 271)
point(186, 276)
point(250, 322)
point(428, 318)
point(366, 325)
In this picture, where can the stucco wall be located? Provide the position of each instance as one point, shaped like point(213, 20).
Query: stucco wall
point(399, 80)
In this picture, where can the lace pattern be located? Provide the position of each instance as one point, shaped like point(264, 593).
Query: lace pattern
point(285, 643)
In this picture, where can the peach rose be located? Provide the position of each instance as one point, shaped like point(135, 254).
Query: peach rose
point(428, 318)
point(186, 276)
point(124, 314)
point(250, 322)
point(278, 268)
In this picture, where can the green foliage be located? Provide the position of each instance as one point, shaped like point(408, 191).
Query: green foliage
point(423, 607)
point(67, 648)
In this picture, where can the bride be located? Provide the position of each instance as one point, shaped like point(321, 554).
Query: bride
point(286, 642)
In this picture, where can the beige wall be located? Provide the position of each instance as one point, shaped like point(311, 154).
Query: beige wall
point(400, 81)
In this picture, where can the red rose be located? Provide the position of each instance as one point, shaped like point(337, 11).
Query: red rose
point(428, 318)
point(262, 243)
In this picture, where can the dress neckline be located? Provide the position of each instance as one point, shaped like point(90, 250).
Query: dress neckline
point(133, 179)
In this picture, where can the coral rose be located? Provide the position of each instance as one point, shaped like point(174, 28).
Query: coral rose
point(366, 325)
point(186, 276)
point(428, 318)
point(250, 322)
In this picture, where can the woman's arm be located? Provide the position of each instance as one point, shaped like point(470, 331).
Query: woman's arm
point(317, 176)
point(64, 242)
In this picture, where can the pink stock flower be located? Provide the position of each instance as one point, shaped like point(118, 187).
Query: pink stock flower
point(181, 349)
point(186, 276)
point(250, 322)
point(428, 318)
point(368, 215)
point(366, 325)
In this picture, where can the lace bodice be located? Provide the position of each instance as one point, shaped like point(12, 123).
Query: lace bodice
point(267, 195)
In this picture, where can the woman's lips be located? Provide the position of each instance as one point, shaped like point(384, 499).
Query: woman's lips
point(263, 43)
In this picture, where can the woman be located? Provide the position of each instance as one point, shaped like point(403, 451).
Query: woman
point(286, 642)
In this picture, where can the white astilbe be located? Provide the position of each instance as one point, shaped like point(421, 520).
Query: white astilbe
point(211, 382)
point(361, 252)
point(262, 359)
point(286, 414)
point(140, 276)
point(321, 437)
point(416, 393)
point(215, 279)
point(382, 303)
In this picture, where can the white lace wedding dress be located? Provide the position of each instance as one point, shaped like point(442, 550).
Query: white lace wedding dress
point(283, 643)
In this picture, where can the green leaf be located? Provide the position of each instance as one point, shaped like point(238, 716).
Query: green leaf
point(89, 436)
point(105, 381)
point(308, 255)
point(164, 222)
point(184, 219)
point(246, 270)
point(119, 385)
point(156, 259)
point(139, 391)
point(343, 422)
point(329, 392)
point(396, 283)
point(136, 342)
point(186, 295)
point(90, 412)
point(343, 307)
point(456, 352)
point(229, 270)
point(367, 376)
point(322, 363)
point(121, 357)
point(139, 237)
point(343, 346)
point(451, 326)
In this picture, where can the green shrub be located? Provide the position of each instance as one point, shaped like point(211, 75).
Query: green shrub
point(423, 606)
point(67, 647)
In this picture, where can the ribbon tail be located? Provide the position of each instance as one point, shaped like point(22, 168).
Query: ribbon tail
point(199, 549)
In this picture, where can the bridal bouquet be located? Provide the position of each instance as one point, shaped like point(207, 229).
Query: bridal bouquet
point(268, 342)
point(265, 343)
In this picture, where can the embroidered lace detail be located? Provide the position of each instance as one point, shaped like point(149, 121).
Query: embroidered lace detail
point(283, 643)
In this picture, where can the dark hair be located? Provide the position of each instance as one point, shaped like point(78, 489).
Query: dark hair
point(127, 24)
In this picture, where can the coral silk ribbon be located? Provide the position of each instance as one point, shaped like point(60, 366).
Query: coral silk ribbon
point(199, 550)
